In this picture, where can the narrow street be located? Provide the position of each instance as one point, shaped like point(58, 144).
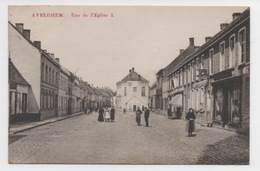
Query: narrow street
point(84, 140)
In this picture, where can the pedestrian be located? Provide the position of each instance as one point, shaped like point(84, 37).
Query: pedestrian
point(107, 115)
point(90, 110)
point(169, 112)
point(112, 114)
point(209, 119)
point(124, 111)
point(146, 116)
point(191, 122)
point(138, 116)
point(100, 115)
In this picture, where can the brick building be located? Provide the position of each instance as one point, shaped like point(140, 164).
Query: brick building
point(214, 78)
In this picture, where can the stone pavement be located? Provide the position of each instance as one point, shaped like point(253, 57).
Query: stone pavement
point(83, 140)
point(16, 128)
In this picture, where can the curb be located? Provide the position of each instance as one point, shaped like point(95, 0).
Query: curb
point(45, 123)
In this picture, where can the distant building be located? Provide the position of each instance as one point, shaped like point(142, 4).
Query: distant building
point(132, 92)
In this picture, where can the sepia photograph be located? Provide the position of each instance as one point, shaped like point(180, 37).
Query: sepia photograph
point(128, 85)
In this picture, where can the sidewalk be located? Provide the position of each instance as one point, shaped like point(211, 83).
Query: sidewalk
point(16, 128)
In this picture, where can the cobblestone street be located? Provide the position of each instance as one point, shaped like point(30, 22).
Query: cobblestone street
point(82, 139)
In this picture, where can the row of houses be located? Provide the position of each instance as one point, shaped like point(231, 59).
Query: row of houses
point(213, 78)
point(40, 87)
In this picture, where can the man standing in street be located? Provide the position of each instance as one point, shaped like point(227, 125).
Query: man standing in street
point(138, 116)
point(146, 116)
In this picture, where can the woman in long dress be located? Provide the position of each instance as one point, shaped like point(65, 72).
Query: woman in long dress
point(100, 115)
point(190, 124)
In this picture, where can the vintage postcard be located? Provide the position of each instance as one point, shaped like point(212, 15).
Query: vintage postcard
point(134, 85)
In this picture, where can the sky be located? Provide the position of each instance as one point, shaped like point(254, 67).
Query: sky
point(102, 50)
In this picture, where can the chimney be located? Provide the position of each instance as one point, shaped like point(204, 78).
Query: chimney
point(223, 26)
point(52, 55)
point(191, 41)
point(139, 77)
point(26, 33)
point(37, 44)
point(236, 15)
point(49, 54)
point(129, 70)
point(207, 39)
point(57, 60)
point(44, 50)
point(133, 69)
point(181, 50)
point(19, 26)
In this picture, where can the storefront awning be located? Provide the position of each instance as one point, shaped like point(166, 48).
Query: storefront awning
point(176, 100)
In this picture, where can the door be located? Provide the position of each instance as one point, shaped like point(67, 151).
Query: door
point(24, 102)
point(56, 105)
point(134, 107)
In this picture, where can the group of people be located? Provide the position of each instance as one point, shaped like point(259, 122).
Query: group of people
point(106, 115)
point(109, 115)
point(146, 116)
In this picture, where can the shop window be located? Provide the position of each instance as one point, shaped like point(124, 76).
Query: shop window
point(235, 106)
point(219, 99)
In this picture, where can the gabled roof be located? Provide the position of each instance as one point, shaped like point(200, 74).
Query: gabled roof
point(133, 76)
point(15, 77)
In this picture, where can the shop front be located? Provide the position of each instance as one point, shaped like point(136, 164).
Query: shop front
point(227, 101)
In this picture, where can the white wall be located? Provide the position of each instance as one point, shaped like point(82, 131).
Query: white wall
point(132, 98)
point(27, 60)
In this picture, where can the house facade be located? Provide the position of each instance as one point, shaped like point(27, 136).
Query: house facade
point(214, 78)
point(132, 92)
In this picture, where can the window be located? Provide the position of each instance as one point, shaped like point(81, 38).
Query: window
point(42, 72)
point(181, 78)
point(125, 91)
point(134, 89)
point(57, 79)
point(52, 77)
point(211, 63)
point(143, 91)
point(242, 46)
point(197, 68)
point(46, 73)
point(202, 98)
point(222, 56)
point(184, 75)
point(202, 62)
point(49, 75)
point(194, 70)
point(232, 57)
point(189, 74)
